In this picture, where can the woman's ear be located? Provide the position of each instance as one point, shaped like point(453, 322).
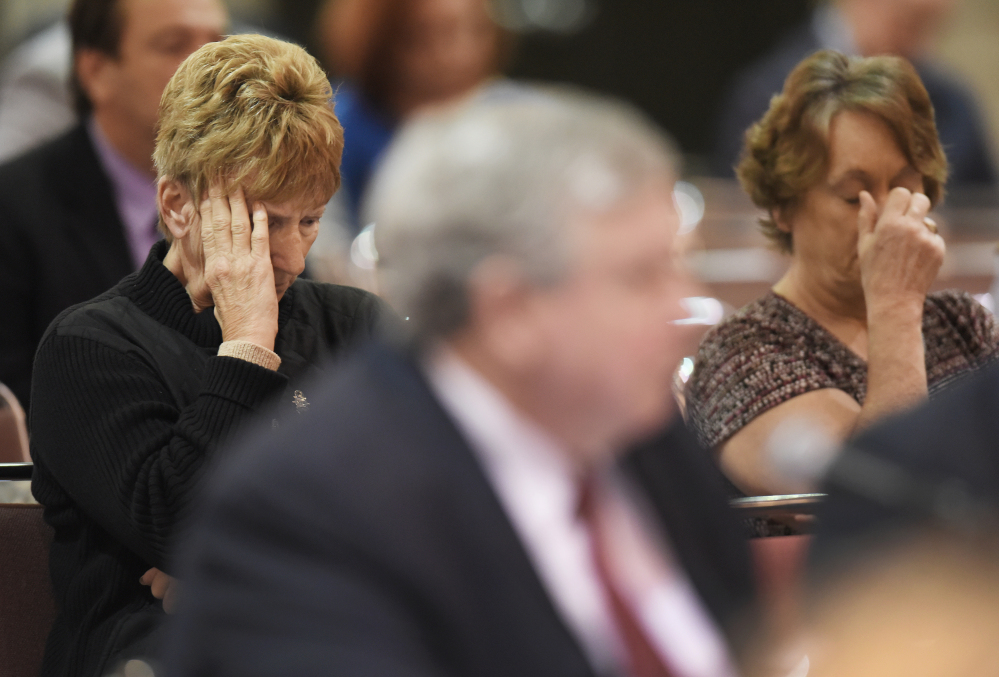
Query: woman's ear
point(175, 206)
point(782, 218)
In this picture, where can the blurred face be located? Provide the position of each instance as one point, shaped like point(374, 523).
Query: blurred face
point(448, 47)
point(608, 328)
point(157, 35)
point(903, 27)
point(863, 155)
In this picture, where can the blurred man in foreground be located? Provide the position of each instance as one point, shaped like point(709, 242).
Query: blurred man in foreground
point(931, 469)
point(454, 506)
point(79, 212)
point(925, 607)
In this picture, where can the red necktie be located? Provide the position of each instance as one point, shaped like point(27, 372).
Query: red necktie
point(643, 658)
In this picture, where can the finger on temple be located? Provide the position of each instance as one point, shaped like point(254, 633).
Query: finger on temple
point(208, 241)
point(221, 222)
point(240, 221)
point(261, 235)
point(868, 215)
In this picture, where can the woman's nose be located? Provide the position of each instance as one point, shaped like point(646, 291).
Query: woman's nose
point(287, 252)
point(880, 198)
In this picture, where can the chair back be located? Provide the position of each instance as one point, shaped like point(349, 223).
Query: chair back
point(13, 431)
point(27, 607)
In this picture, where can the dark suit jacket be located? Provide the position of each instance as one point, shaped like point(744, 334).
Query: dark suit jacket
point(959, 124)
point(946, 445)
point(61, 242)
point(368, 541)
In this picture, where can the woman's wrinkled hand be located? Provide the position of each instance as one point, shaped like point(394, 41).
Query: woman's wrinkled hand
point(238, 269)
point(899, 256)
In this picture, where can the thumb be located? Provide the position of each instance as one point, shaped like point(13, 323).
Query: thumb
point(868, 215)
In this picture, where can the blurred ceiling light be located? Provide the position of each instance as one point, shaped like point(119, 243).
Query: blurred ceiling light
point(690, 204)
point(702, 310)
point(362, 250)
point(556, 16)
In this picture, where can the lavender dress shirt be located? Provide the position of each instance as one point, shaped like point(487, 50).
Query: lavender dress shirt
point(134, 195)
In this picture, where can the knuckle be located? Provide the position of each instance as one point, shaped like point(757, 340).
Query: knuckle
point(219, 268)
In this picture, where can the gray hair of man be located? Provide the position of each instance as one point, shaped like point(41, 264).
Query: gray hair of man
point(501, 177)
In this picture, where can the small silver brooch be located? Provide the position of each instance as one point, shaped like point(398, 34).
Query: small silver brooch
point(301, 404)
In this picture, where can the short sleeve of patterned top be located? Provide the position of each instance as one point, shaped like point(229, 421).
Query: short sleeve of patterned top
point(770, 351)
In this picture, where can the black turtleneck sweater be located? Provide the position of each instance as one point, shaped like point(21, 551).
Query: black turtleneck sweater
point(129, 403)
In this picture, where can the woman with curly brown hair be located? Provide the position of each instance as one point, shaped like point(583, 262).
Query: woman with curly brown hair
point(847, 164)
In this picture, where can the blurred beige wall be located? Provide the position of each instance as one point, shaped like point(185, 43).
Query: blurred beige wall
point(970, 46)
point(17, 17)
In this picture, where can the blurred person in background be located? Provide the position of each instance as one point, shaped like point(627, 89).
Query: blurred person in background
point(397, 57)
point(905, 28)
point(847, 164)
point(36, 90)
point(136, 390)
point(79, 212)
point(458, 504)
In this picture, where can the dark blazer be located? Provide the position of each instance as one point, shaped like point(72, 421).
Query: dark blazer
point(366, 540)
point(959, 123)
point(61, 242)
point(946, 447)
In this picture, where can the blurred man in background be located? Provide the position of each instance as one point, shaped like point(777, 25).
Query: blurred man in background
point(905, 28)
point(456, 506)
point(80, 211)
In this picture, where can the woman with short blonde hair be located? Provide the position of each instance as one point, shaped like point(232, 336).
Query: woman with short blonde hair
point(252, 112)
point(137, 390)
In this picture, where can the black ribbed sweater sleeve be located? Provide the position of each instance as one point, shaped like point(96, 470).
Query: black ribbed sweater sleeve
point(113, 438)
